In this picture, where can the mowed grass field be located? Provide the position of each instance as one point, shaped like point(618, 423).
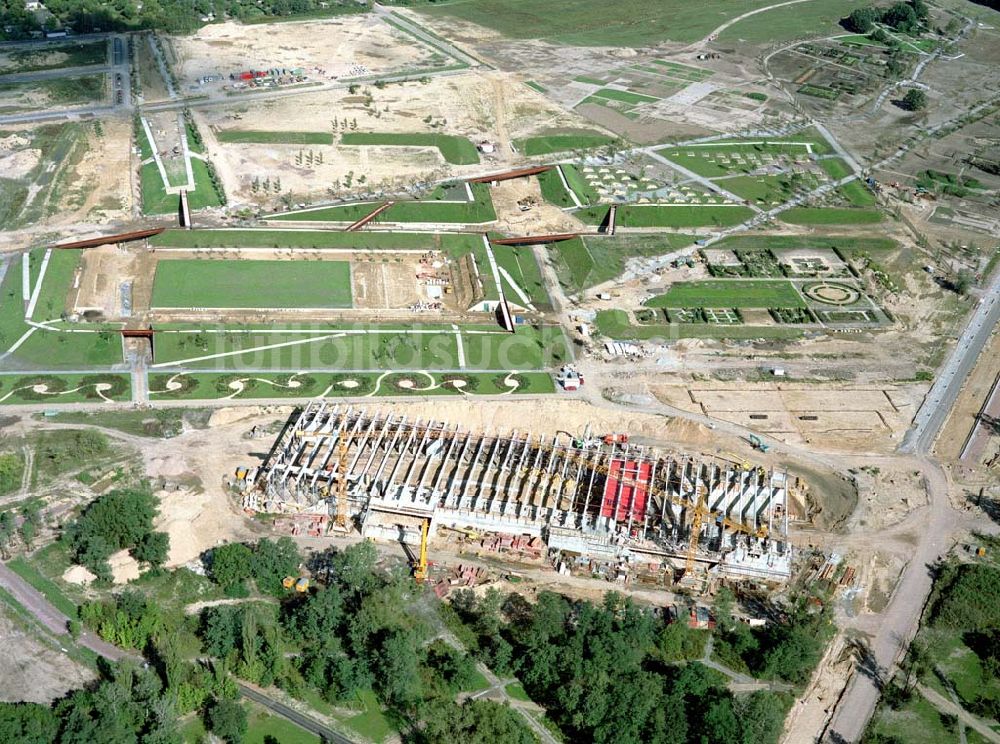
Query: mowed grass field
point(258, 136)
point(793, 21)
point(455, 150)
point(730, 293)
point(200, 283)
point(629, 23)
point(829, 216)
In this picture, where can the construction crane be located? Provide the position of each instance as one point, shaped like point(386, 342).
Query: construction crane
point(420, 565)
point(698, 516)
point(340, 520)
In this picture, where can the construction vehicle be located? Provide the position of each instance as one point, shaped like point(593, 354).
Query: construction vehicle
point(737, 460)
point(759, 444)
point(299, 584)
point(616, 438)
point(420, 565)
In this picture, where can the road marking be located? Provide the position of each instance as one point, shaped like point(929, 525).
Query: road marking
point(38, 286)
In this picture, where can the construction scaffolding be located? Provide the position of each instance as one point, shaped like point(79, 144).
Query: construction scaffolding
point(612, 501)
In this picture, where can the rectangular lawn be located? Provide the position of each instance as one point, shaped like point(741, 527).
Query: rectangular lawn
point(201, 283)
point(730, 293)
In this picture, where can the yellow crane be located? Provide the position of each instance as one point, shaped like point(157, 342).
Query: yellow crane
point(697, 517)
point(420, 566)
point(340, 519)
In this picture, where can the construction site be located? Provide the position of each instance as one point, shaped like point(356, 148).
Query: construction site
point(590, 498)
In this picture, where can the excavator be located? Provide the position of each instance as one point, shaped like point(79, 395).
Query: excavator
point(420, 564)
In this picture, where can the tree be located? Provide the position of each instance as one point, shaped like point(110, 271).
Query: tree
point(963, 281)
point(118, 520)
point(353, 568)
point(862, 20)
point(914, 100)
point(272, 561)
point(6, 533)
point(27, 723)
point(230, 564)
point(227, 719)
point(152, 549)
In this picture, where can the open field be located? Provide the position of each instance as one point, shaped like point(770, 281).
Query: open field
point(455, 150)
point(258, 136)
point(356, 241)
point(792, 22)
point(829, 216)
point(52, 93)
point(429, 211)
point(193, 283)
point(548, 144)
point(730, 293)
point(634, 23)
point(53, 56)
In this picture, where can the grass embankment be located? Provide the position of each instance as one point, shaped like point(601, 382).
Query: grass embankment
point(454, 149)
point(267, 137)
point(584, 262)
point(715, 215)
point(54, 57)
point(240, 284)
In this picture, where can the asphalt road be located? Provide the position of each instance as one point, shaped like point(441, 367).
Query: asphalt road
point(948, 383)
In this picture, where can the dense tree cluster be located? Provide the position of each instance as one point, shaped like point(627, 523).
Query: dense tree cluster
point(174, 16)
point(600, 673)
point(22, 524)
point(267, 562)
point(119, 520)
point(905, 17)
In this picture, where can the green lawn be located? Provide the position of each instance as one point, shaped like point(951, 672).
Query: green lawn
point(835, 168)
point(16, 388)
point(264, 727)
point(793, 22)
point(715, 215)
point(631, 23)
point(623, 96)
point(821, 242)
point(548, 144)
point(584, 262)
point(520, 263)
point(553, 190)
point(23, 567)
point(371, 724)
point(378, 348)
point(857, 194)
point(829, 216)
point(454, 149)
point(255, 385)
point(762, 189)
point(220, 283)
point(750, 293)
point(584, 191)
point(475, 212)
point(516, 691)
point(68, 91)
point(917, 722)
point(258, 136)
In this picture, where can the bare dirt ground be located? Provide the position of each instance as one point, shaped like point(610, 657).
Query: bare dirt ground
point(104, 269)
point(31, 669)
point(963, 415)
point(542, 218)
point(473, 105)
point(337, 47)
point(847, 418)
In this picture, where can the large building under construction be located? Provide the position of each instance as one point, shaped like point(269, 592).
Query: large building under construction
point(607, 500)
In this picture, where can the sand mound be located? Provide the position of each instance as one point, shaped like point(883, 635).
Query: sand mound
point(225, 416)
point(196, 522)
point(78, 575)
point(124, 568)
point(168, 466)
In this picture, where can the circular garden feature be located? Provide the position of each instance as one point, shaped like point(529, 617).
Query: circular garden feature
point(831, 293)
